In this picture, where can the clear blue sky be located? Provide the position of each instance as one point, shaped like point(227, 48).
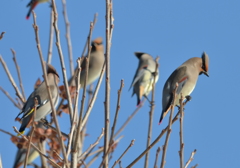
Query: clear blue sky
point(174, 30)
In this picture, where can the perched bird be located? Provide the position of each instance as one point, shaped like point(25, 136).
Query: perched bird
point(95, 64)
point(32, 4)
point(41, 95)
point(21, 152)
point(186, 77)
point(144, 76)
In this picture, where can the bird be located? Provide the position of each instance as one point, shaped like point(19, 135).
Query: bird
point(186, 77)
point(43, 102)
point(21, 152)
point(144, 76)
point(96, 62)
point(32, 4)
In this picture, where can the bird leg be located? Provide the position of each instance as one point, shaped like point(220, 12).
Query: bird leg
point(147, 99)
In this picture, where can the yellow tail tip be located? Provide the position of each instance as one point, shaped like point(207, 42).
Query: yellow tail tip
point(21, 133)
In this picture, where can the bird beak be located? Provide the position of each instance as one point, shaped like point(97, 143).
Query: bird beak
point(205, 73)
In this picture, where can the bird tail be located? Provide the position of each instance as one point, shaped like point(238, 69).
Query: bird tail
point(32, 6)
point(161, 118)
point(28, 14)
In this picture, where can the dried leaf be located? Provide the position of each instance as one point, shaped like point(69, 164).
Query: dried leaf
point(65, 108)
point(63, 93)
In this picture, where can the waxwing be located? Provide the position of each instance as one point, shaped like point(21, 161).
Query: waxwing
point(32, 4)
point(95, 64)
point(21, 152)
point(41, 94)
point(186, 77)
point(144, 76)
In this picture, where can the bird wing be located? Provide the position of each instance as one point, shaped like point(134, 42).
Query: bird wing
point(42, 98)
point(140, 72)
point(180, 77)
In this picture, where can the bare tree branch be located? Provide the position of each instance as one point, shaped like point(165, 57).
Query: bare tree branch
point(58, 44)
point(73, 126)
point(31, 133)
point(151, 113)
point(194, 166)
point(2, 34)
point(156, 159)
point(18, 72)
point(18, 93)
point(10, 98)
point(92, 145)
point(68, 36)
point(107, 83)
point(191, 158)
point(117, 110)
point(79, 126)
point(50, 45)
point(169, 129)
point(129, 119)
point(131, 144)
point(181, 152)
point(48, 89)
point(156, 140)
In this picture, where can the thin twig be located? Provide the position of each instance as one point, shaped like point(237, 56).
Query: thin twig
point(10, 98)
point(120, 164)
point(58, 44)
point(18, 72)
point(77, 137)
point(191, 158)
point(130, 145)
point(93, 159)
point(2, 34)
point(59, 157)
point(36, 148)
point(129, 119)
point(152, 107)
point(72, 77)
point(115, 121)
point(181, 152)
point(156, 159)
point(68, 36)
point(92, 145)
point(50, 45)
point(49, 92)
point(73, 126)
point(31, 133)
point(117, 110)
point(8, 133)
point(86, 43)
point(41, 146)
point(90, 106)
point(194, 166)
point(53, 128)
point(169, 129)
point(107, 85)
point(18, 93)
point(100, 150)
point(156, 140)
